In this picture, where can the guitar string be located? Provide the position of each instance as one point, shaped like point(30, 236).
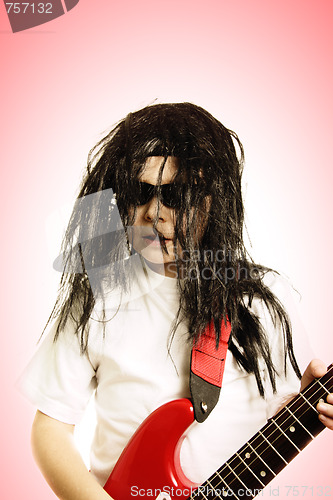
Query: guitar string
point(291, 415)
point(284, 412)
point(275, 431)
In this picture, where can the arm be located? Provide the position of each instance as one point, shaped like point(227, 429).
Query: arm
point(61, 463)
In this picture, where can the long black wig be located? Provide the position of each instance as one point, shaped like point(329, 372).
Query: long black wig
point(217, 279)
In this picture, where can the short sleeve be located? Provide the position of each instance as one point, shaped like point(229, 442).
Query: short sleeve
point(287, 382)
point(59, 380)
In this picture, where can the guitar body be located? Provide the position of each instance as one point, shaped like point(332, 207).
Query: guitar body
point(150, 462)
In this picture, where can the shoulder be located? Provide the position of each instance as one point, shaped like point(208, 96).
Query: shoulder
point(280, 285)
point(289, 298)
point(272, 283)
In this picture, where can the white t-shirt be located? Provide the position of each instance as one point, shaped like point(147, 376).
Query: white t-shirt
point(135, 368)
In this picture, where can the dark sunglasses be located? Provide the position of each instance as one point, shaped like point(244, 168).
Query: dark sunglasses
point(171, 195)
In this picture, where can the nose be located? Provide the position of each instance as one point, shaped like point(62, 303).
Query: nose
point(155, 211)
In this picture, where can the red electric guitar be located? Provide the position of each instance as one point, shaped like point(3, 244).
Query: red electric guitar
point(150, 462)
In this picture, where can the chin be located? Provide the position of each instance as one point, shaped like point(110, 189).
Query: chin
point(160, 264)
point(166, 269)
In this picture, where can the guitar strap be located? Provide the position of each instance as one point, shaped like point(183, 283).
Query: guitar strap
point(207, 367)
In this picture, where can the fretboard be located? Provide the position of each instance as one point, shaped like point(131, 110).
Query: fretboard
point(249, 470)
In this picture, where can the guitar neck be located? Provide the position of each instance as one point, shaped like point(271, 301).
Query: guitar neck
point(249, 470)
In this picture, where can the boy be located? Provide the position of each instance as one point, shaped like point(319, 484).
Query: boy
point(153, 254)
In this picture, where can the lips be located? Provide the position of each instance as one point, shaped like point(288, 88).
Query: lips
point(156, 238)
point(150, 237)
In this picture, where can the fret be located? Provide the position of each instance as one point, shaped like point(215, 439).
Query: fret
point(202, 493)
point(304, 413)
point(210, 484)
point(292, 429)
point(236, 476)
point(286, 463)
point(216, 483)
point(214, 491)
point(308, 402)
point(300, 434)
point(228, 487)
point(243, 482)
point(261, 459)
point(275, 450)
point(240, 475)
point(249, 468)
point(195, 494)
point(236, 481)
point(260, 473)
point(285, 435)
point(319, 388)
point(318, 381)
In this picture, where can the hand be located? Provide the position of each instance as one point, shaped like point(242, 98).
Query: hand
point(317, 369)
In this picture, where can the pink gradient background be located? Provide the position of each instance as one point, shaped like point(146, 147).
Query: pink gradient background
point(263, 67)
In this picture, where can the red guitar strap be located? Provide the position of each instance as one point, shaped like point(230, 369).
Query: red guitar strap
point(207, 367)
